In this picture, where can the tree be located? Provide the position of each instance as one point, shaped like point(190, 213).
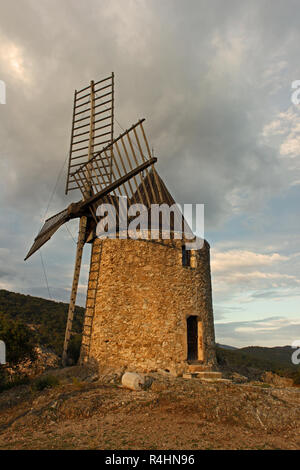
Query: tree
point(19, 340)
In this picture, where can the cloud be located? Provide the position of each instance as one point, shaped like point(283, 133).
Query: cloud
point(269, 331)
point(243, 277)
point(236, 259)
point(195, 84)
point(284, 132)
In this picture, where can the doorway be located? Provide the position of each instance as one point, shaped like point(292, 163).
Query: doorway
point(192, 338)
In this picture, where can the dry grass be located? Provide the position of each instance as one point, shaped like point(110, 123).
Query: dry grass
point(174, 414)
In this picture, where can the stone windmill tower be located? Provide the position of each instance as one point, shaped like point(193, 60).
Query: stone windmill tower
point(149, 301)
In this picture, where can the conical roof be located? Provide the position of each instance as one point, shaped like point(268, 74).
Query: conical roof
point(152, 190)
point(166, 216)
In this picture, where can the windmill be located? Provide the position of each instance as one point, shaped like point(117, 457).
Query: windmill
point(103, 169)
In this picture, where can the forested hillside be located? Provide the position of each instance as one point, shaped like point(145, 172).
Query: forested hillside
point(45, 317)
point(254, 359)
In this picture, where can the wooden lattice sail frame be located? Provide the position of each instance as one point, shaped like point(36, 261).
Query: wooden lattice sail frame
point(92, 124)
point(114, 163)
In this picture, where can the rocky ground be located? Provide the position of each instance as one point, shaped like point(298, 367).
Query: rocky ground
point(86, 411)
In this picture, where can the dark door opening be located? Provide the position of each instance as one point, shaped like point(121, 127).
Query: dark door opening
point(186, 256)
point(192, 338)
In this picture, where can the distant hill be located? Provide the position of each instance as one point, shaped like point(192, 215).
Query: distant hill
point(225, 346)
point(278, 354)
point(252, 360)
point(46, 317)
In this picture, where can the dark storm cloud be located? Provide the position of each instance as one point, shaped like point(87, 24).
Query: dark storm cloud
point(196, 73)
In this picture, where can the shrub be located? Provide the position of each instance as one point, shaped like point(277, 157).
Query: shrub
point(20, 347)
point(74, 348)
point(19, 339)
point(47, 381)
point(77, 382)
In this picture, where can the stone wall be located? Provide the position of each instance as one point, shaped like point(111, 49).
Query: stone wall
point(139, 298)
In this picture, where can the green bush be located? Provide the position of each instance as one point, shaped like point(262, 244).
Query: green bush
point(47, 381)
point(19, 339)
point(20, 346)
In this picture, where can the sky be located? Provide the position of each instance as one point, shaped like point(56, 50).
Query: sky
point(214, 81)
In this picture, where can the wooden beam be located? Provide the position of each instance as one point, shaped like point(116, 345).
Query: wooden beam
point(79, 250)
point(81, 236)
point(71, 144)
point(118, 182)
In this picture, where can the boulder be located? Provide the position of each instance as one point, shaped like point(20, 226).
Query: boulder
point(135, 381)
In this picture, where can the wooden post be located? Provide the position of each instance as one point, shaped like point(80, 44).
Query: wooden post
point(79, 250)
point(81, 235)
